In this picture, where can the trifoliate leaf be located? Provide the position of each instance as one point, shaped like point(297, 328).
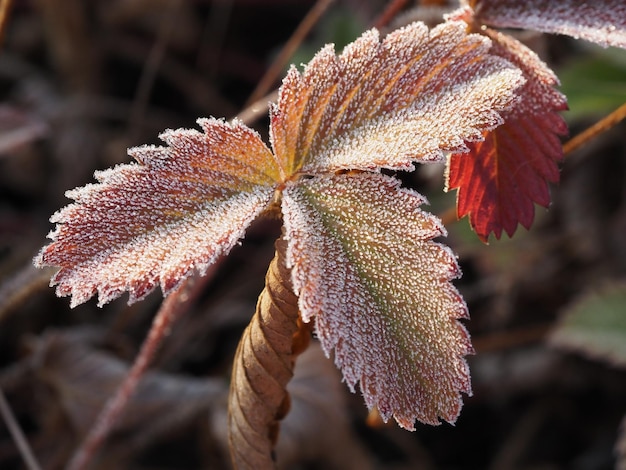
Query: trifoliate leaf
point(502, 178)
point(411, 97)
point(599, 21)
point(157, 221)
point(365, 267)
point(596, 325)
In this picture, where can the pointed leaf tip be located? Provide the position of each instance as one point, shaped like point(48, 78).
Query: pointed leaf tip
point(365, 267)
point(157, 221)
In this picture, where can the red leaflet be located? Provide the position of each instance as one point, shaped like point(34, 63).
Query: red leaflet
point(502, 178)
point(599, 21)
point(505, 175)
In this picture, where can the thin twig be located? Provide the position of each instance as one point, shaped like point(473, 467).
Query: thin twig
point(5, 8)
point(19, 287)
point(257, 109)
point(272, 74)
point(389, 13)
point(599, 127)
point(171, 309)
point(17, 434)
point(505, 340)
point(148, 74)
point(215, 34)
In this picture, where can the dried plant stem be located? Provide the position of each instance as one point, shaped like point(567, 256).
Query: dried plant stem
point(506, 340)
point(392, 9)
point(171, 309)
point(16, 290)
point(16, 433)
point(262, 368)
point(5, 7)
point(276, 69)
point(257, 109)
point(148, 74)
point(599, 127)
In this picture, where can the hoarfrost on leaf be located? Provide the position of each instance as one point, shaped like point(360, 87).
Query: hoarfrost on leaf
point(502, 178)
point(411, 97)
point(361, 251)
point(157, 221)
point(366, 269)
point(599, 21)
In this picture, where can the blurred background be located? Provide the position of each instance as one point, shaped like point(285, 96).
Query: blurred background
point(81, 81)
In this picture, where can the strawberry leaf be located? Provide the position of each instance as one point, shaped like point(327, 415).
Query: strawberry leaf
point(411, 97)
point(599, 21)
point(502, 177)
point(365, 266)
point(157, 221)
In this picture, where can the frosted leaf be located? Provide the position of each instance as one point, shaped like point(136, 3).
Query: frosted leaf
point(599, 21)
point(157, 221)
point(502, 178)
point(365, 267)
point(538, 94)
point(411, 97)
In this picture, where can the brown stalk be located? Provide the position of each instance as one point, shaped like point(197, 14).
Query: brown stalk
point(262, 367)
point(5, 7)
point(275, 70)
point(12, 425)
point(393, 8)
point(151, 67)
point(172, 308)
point(71, 42)
point(599, 127)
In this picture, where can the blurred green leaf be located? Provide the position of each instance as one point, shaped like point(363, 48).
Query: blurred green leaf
point(595, 84)
point(595, 325)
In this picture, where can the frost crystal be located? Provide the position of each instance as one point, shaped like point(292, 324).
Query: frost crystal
point(599, 21)
point(360, 249)
point(158, 221)
point(365, 267)
point(411, 97)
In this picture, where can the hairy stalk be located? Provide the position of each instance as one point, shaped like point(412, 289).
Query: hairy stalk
point(391, 11)
point(290, 47)
point(12, 425)
point(171, 309)
point(5, 7)
point(593, 131)
point(263, 366)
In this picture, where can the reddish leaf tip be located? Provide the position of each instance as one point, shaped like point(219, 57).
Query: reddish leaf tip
point(157, 221)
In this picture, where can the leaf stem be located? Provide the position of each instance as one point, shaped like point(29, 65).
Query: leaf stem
point(5, 8)
point(599, 127)
point(18, 436)
point(305, 26)
point(172, 308)
point(262, 368)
